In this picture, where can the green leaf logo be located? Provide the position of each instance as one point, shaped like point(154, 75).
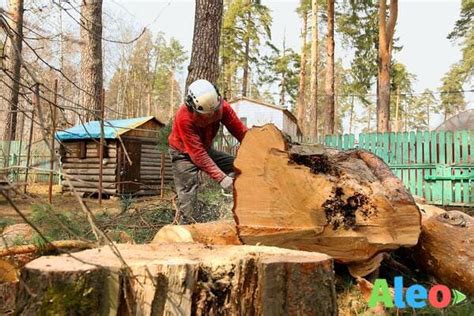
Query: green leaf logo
point(458, 297)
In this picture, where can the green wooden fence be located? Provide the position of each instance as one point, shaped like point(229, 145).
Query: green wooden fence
point(39, 161)
point(438, 166)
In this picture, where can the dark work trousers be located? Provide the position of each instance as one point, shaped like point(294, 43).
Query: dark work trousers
point(186, 179)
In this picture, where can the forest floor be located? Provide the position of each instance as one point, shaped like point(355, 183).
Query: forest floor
point(136, 220)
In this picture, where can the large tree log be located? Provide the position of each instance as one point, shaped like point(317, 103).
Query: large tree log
point(180, 279)
point(214, 233)
point(446, 248)
point(345, 204)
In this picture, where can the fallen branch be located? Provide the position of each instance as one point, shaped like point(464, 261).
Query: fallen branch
point(54, 245)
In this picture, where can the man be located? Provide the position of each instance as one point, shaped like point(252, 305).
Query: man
point(195, 125)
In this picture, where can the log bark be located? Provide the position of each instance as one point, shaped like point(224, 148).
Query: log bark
point(345, 204)
point(205, 51)
point(446, 249)
point(214, 233)
point(180, 279)
point(91, 57)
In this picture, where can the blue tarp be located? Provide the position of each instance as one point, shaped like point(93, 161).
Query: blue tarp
point(112, 129)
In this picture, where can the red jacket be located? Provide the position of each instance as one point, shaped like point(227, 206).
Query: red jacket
point(190, 136)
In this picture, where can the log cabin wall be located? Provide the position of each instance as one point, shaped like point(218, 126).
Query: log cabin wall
point(153, 163)
point(80, 161)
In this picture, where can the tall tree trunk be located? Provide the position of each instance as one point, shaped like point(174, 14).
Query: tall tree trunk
point(386, 32)
point(91, 56)
point(205, 51)
point(329, 110)
point(13, 50)
point(312, 128)
point(301, 107)
point(245, 77)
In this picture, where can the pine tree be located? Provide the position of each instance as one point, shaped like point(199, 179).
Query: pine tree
point(91, 57)
point(246, 26)
point(451, 92)
point(206, 41)
point(385, 44)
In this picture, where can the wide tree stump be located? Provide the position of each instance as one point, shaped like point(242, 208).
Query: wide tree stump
point(446, 249)
point(180, 279)
point(345, 204)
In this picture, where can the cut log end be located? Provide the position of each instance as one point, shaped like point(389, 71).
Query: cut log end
point(181, 279)
point(444, 234)
point(346, 204)
point(214, 233)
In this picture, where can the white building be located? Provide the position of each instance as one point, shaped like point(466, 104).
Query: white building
point(257, 113)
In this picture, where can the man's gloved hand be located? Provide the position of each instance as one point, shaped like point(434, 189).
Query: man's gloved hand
point(227, 183)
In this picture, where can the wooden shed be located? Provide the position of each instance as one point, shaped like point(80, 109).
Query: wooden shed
point(132, 163)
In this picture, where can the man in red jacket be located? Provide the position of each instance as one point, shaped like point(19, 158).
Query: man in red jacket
point(195, 125)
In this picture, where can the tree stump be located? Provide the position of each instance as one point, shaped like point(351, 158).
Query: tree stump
point(180, 279)
point(446, 249)
point(347, 204)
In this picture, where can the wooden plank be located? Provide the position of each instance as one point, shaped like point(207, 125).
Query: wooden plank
point(392, 149)
point(386, 147)
point(412, 158)
point(439, 189)
point(381, 149)
point(93, 178)
point(91, 154)
point(150, 176)
point(154, 170)
point(351, 141)
point(156, 165)
point(372, 142)
point(442, 148)
point(72, 166)
point(95, 145)
point(399, 154)
point(419, 159)
point(426, 160)
point(457, 141)
point(152, 155)
point(89, 184)
point(94, 160)
point(361, 141)
point(71, 171)
point(345, 142)
point(448, 185)
point(151, 151)
point(449, 147)
point(406, 159)
point(140, 139)
point(466, 186)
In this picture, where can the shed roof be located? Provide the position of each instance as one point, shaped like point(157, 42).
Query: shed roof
point(112, 128)
point(459, 122)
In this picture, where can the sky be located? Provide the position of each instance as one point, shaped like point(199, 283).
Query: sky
point(422, 28)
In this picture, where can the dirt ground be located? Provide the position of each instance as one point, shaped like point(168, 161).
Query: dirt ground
point(38, 194)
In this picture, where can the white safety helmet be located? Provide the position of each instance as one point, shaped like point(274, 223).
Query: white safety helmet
point(203, 97)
